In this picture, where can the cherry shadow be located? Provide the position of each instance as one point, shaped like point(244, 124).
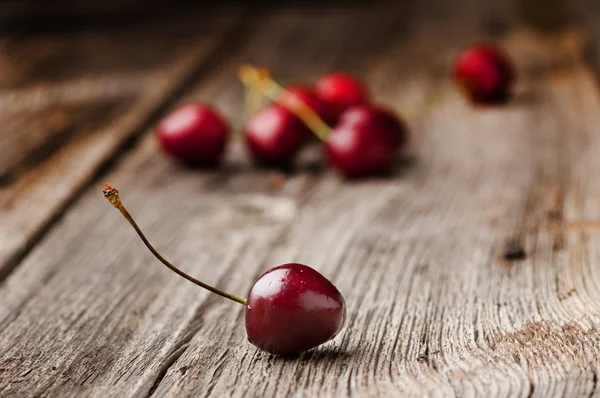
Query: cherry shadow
point(312, 166)
point(521, 98)
point(404, 164)
point(321, 355)
point(217, 175)
point(525, 98)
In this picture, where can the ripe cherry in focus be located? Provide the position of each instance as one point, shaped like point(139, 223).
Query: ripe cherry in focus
point(274, 135)
point(195, 134)
point(339, 91)
point(293, 308)
point(290, 309)
point(364, 142)
point(485, 73)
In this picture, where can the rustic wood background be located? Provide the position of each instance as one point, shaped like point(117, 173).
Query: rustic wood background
point(434, 308)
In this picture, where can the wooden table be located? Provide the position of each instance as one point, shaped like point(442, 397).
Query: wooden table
point(434, 308)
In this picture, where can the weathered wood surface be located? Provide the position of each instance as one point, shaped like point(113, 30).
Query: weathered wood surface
point(68, 105)
point(433, 307)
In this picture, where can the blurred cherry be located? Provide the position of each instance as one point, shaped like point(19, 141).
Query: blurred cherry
point(274, 135)
point(485, 73)
point(297, 93)
point(340, 91)
point(394, 125)
point(364, 142)
point(194, 134)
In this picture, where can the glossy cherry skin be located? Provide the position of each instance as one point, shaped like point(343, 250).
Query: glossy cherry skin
point(364, 142)
point(274, 135)
point(340, 91)
point(485, 73)
point(293, 308)
point(304, 94)
point(194, 134)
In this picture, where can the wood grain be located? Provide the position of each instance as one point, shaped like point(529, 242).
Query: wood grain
point(250, 213)
point(61, 125)
point(50, 85)
point(434, 308)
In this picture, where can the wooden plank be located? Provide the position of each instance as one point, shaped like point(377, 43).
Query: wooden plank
point(434, 310)
point(433, 307)
point(253, 218)
point(61, 124)
point(47, 81)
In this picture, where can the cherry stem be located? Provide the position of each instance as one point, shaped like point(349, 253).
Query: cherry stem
point(112, 194)
point(260, 80)
point(253, 95)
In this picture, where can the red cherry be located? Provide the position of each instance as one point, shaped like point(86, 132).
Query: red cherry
point(364, 142)
point(294, 94)
point(485, 72)
point(293, 308)
point(340, 91)
point(195, 134)
point(274, 135)
point(290, 308)
point(394, 125)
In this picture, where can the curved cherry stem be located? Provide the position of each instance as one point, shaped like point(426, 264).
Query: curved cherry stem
point(259, 80)
point(112, 194)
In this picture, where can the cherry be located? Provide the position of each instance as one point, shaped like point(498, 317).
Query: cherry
point(194, 134)
point(485, 73)
point(293, 308)
point(259, 81)
point(364, 142)
point(297, 93)
point(394, 125)
point(290, 309)
point(274, 135)
point(340, 91)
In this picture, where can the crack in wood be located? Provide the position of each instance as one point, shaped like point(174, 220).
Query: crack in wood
point(594, 383)
point(178, 351)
